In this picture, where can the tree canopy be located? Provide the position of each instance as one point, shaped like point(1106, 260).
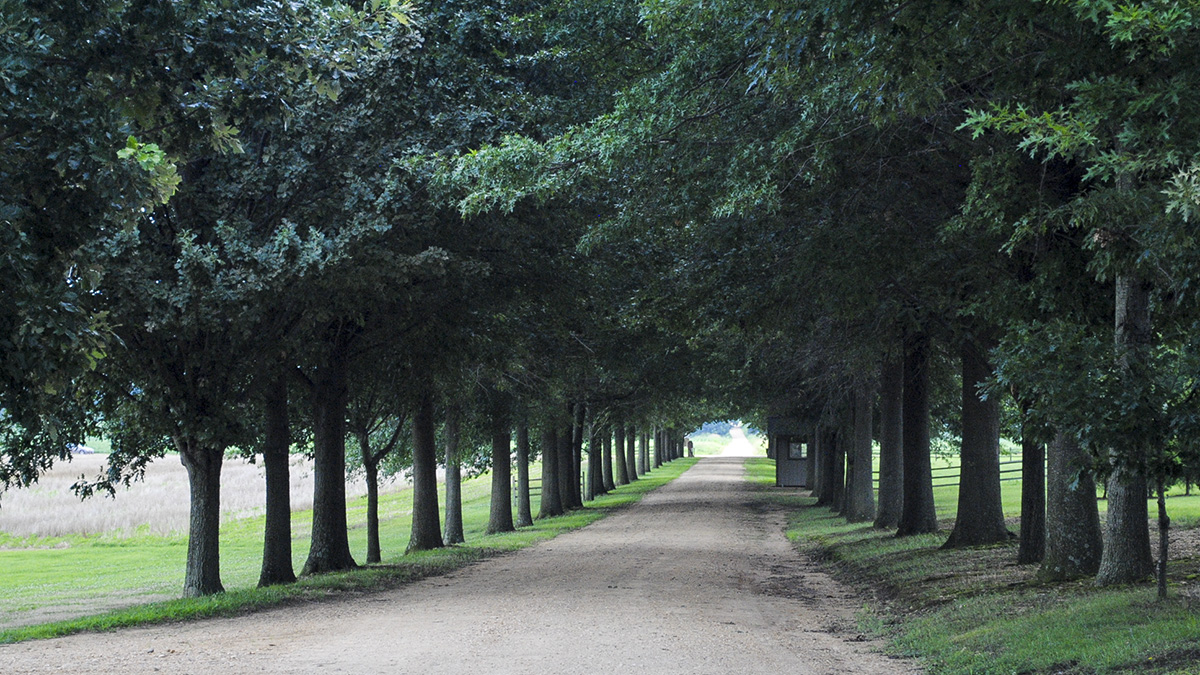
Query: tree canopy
point(578, 214)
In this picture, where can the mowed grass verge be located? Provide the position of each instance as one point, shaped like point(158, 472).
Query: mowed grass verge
point(70, 575)
point(975, 611)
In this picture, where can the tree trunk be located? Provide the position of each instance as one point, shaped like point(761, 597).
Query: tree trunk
point(825, 477)
point(577, 453)
point(1073, 540)
point(840, 471)
point(551, 496)
point(202, 575)
point(500, 514)
point(918, 515)
point(566, 469)
point(1164, 538)
point(631, 453)
point(644, 453)
point(370, 463)
point(891, 448)
point(524, 513)
point(816, 479)
point(606, 459)
point(980, 518)
point(595, 484)
point(329, 548)
point(425, 533)
point(811, 465)
point(372, 470)
point(1127, 557)
point(1032, 545)
point(277, 536)
point(622, 477)
point(452, 529)
point(860, 502)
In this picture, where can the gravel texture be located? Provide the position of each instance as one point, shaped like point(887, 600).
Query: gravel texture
point(696, 578)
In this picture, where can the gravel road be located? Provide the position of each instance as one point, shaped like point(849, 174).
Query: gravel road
point(696, 578)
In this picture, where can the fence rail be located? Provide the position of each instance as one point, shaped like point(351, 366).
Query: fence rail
point(535, 489)
point(952, 473)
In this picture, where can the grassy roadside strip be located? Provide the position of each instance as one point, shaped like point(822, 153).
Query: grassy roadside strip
point(976, 611)
point(394, 572)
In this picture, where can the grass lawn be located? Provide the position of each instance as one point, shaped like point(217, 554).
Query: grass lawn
point(112, 580)
point(975, 611)
point(1183, 509)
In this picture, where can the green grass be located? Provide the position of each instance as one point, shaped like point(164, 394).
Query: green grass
point(74, 574)
point(1183, 509)
point(706, 445)
point(1040, 630)
point(976, 612)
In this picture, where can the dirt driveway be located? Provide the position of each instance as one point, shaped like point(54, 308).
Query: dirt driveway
point(693, 579)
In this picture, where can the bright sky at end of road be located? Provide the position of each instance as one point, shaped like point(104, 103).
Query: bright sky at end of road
point(740, 446)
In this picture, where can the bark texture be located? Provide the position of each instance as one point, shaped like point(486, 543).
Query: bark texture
point(524, 513)
point(426, 532)
point(577, 454)
point(329, 549)
point(980, 518)
point(622, 469)
point(452, 530)
point(631, 453)
point(374, 554)
point(1164, 539)
point(810, 465)
point(918, 515)
point(891, 458)
point(202, 575)
point(1073, 539)
point(277, 535)
point(833, 472)
point(595, 484)
point(815, 477)
point(841, 472)
point(1127, 556)
point(500, 517)
point(568, 476)
point(551, 497)
point(643, 453)
point(1032, 545)
point(860, 497)
point(606, 458)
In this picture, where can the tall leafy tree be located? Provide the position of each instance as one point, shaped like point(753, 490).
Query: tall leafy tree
point(187, 285)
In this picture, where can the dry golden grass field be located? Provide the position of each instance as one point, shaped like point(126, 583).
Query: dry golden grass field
point(156, 505)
